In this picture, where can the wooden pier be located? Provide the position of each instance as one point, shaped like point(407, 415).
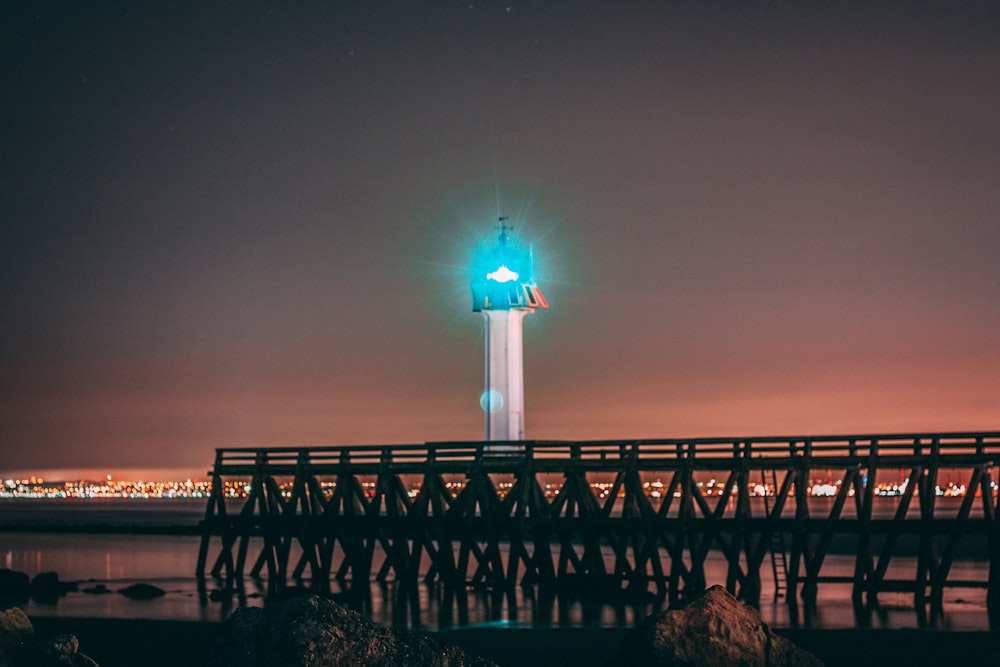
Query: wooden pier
point(630, 516)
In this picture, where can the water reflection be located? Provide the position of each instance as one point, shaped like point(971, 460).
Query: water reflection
point(119, 560)
point(169, 561)
point(439, 607)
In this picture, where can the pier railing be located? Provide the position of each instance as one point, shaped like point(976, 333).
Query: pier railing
point(640, 515)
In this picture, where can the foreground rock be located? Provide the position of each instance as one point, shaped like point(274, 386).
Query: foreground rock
point(46, 587)
point(716, 630)
point(313, 632)
point(19, 647)
point(142, 592)
point(14, 585)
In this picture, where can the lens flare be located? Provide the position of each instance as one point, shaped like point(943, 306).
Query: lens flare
point(491, 401)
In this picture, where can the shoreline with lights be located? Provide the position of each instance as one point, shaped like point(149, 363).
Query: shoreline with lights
point(123, 489)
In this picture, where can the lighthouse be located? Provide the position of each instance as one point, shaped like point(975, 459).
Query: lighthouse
point(504, 291)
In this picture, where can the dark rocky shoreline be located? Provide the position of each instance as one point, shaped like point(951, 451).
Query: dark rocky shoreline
point(125, 643)
point(715, 619)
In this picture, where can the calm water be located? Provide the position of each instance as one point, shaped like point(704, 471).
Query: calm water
point(170, 562)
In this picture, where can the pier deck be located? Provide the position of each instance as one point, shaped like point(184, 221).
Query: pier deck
point(638, 516)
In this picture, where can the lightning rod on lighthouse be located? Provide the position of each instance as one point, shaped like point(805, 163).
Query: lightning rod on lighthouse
point(504, 291)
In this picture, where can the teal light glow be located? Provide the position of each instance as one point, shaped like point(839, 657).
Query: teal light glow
point(451, 240)
point(502, 275)
point(491, 401)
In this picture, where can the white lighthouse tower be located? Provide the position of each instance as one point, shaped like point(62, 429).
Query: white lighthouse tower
point(504, 291)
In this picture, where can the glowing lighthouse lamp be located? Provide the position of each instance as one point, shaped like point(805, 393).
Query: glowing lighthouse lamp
point(504, 291)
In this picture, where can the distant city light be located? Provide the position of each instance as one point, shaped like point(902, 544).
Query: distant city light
point(35, 487)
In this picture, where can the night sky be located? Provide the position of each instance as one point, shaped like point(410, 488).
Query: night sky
point(248, 223)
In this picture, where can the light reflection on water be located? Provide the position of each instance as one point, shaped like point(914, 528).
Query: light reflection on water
point(170, 561)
